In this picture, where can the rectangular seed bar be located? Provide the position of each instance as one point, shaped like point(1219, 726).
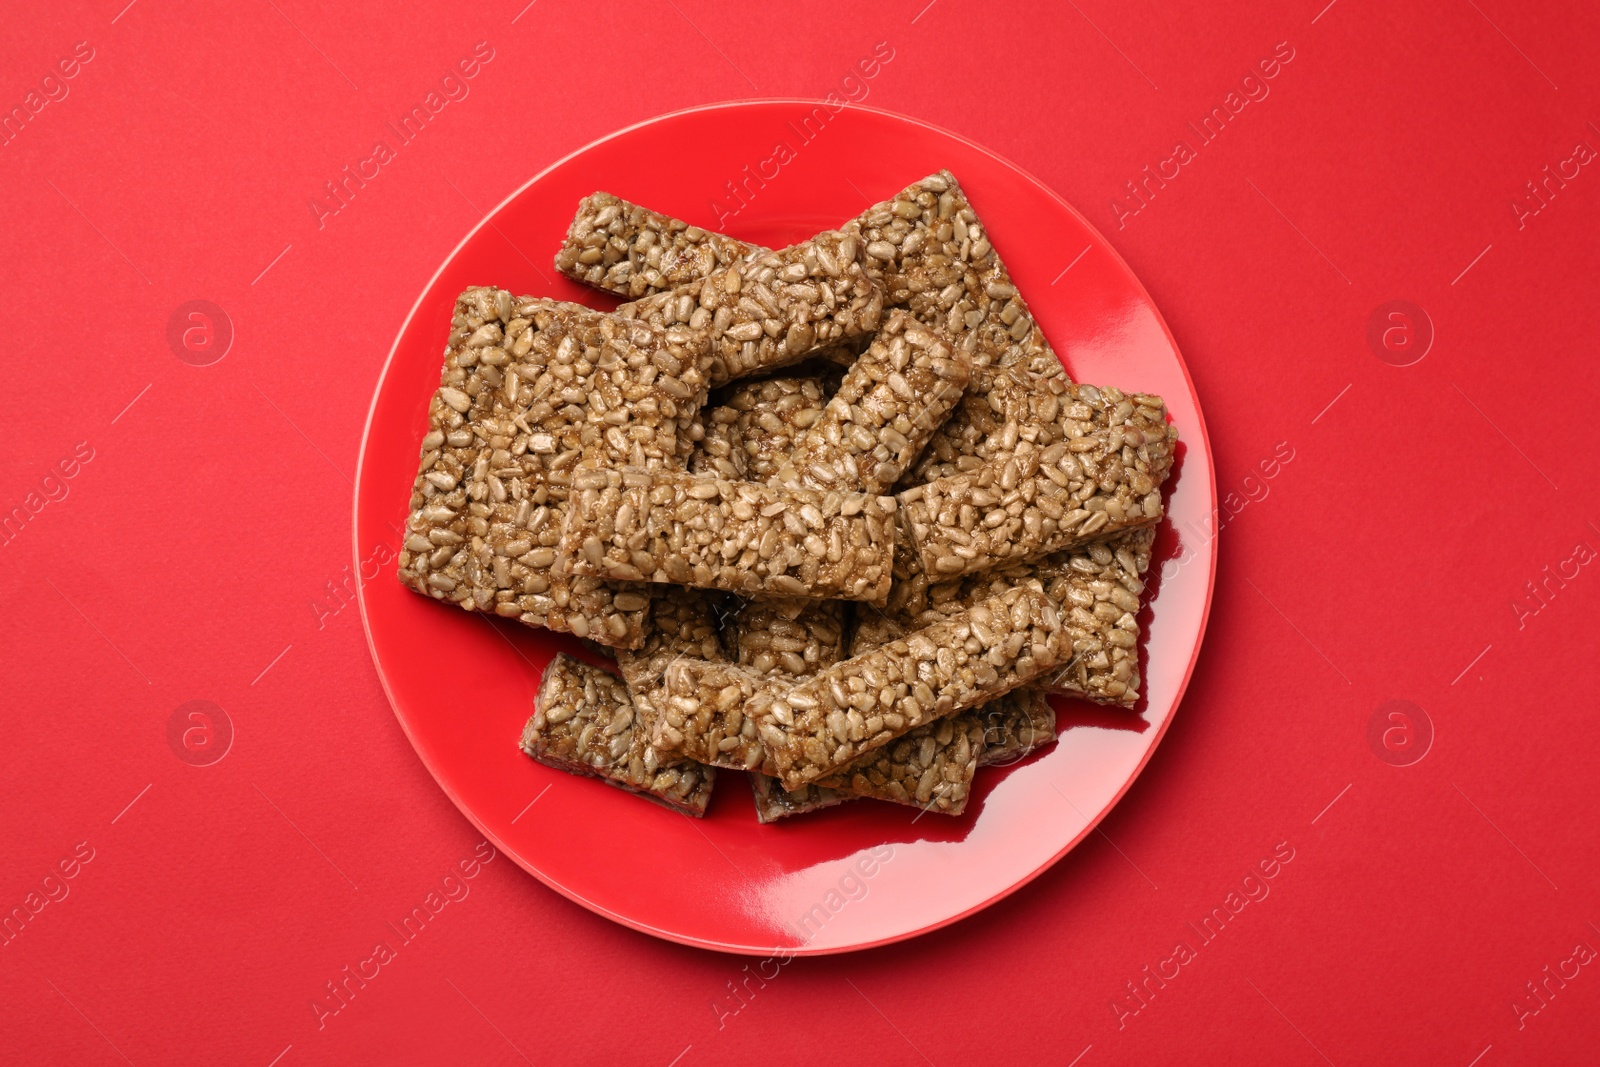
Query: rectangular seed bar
point(742, 537)
point(774, 802)
point(530, 391)
point(865, 702)
point(633, 252)
point(708, 713)
point(1006, 730)
point(773, 310)
point(929, 768)
point(926, 245)
point(1097, 586)
point(584, 722)
point(935, 258)
point(890, 403)
point(1101, 475)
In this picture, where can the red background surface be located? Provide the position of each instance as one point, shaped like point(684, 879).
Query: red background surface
point(1385, 562)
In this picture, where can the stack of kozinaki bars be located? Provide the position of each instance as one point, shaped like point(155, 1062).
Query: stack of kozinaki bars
point(836, 510)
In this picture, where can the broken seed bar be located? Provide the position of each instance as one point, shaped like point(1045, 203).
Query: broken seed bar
point(708, 713)
point(788, 635)
point(628, 250)
point(865, 702)
point(743, 537)
point(1102, 476)
point(584, 722)
point(773, 310)
point(1015, 725)
point(774, 802)
point(890, 403)
point(929, 768)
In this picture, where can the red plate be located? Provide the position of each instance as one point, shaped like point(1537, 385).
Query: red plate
point(863, 874)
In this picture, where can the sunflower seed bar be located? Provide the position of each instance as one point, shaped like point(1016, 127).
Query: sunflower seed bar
point(631, 251)
point(890, 403)
point(771, 416)
point(681, 624)
point(708, 713)
point(963, 441)
point(788, 636)
point(1100, 588)
point(773, 310)
point(743, 537)
point(584, 722)
point(934, 255)
point(774, 802)
point(530, 391)
point(1015, 725)
point(865, 702)
point(1097, 587)
point(929, 768)
point(1100, 475)
point(926, 245)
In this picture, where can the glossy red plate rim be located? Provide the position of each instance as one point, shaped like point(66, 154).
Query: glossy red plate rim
point(628, 921)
